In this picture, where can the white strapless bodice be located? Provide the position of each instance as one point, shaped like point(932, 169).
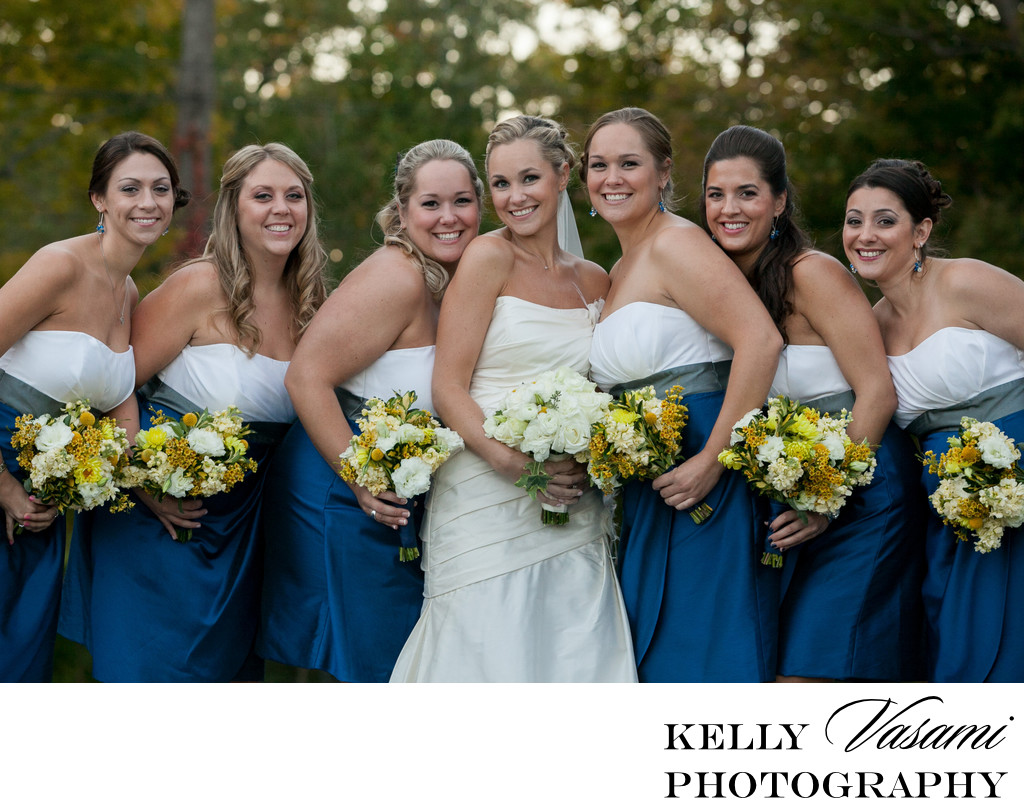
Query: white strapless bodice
point(221, 375)
point(525, 339)
point(72, 366)
point(400, 371)
point(951, 366)
point(643, 338)
point(808, 372)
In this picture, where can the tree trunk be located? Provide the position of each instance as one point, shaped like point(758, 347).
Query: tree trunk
point(195, 96)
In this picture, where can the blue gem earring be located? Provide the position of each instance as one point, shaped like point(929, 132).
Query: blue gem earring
point(853, 269)
point(775, 229)
point(917, 258)
point(593, 212)
point(661, 206)
point(99, 227)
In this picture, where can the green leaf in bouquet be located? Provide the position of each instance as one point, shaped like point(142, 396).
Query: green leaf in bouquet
point(534, 479)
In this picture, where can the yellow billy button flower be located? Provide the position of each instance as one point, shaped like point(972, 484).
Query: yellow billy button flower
point(376, 455)
point(190, 419)
point(87, 418)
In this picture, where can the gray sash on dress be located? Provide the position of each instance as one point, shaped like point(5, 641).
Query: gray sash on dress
point(833, 404)
point(988, 405)
point(25, 399)
point(351, 404)
point(703, 377)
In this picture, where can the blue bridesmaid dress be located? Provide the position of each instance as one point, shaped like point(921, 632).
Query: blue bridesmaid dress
point(336, 597)
point(973, 602)
point(38, 375)
point(151, 609)
point(702, 607)
point(851, 606)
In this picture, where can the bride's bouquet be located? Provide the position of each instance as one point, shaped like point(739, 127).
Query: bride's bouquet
point(72, 460)
point(195, 456)
point(550, 417)
point(639, 438)
point(398, 448)
point(796, 456)
point(981, 485)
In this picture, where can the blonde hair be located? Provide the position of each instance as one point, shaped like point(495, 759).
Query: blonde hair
point(304, 270)
point(552, 138)
point(389, 218)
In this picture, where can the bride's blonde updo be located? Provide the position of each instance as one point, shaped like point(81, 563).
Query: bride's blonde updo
point(552, 138)
point(389, 219)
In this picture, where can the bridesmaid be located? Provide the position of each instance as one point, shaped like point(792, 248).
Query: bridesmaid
point(64, 326)
point(851, 609)
point(701, 607)
point(336, 597)
point(954, 333)
point(218, 332)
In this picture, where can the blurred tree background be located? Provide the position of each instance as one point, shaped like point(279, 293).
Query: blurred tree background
point(350, 84)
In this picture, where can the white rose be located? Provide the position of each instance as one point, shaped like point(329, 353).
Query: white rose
point(995, 451)
point(572, 435)
point(53, 436)
point(836, 447)
point(771, 449)
point(206, 442)
point(448, 439)
point(179, 484)
point(410, 433)
point(412, 477)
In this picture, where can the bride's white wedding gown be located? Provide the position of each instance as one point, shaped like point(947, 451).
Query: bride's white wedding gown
point(508, 599)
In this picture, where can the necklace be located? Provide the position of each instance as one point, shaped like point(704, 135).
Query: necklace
point(113, 289)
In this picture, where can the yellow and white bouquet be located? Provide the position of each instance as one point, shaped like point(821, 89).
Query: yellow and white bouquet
point(799, 457)
point(398, 448)
point(981, 485)
point(639, 438)
point(72, 460)
point(196, 456)
point(551, 416)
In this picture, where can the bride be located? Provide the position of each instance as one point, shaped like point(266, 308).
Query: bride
point(508, 599)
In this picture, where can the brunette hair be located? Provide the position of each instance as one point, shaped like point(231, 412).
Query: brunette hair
point(111, 153)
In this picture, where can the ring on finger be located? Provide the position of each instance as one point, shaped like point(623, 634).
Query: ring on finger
point(373, 515)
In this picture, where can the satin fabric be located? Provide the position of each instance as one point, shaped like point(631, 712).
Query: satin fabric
point(336, 597)
point(973, 602)
point(69, 365)
point(702, 607)
point(151, 609)
point(509, 599)
point(851, 605)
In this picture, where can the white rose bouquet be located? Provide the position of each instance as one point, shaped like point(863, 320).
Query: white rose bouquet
point(197, 456)
point(72, 460)
point(398, 448)
point(796, 456)
point(550, 417)
point(981, 484)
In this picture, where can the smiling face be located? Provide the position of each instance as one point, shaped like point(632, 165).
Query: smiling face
point(138, 200)
point(879, 234)
point(524, 186)
point(623, 178)
point(442, 215)
point(740, 207)
point(272, 210)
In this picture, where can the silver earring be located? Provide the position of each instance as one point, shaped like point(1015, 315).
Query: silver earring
point(593, 212)
point(775, 229)
point(917, 258)
point(853, 269)
point(99, 227)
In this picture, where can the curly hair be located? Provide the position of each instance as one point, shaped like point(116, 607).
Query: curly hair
point(655, 135)
point(772, 273)
point(304, 270)
point(910, 180)
point(389, 218)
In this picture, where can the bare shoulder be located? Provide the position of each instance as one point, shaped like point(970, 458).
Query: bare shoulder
point(815, 269)
point(388, 270)
point(594, 281)
point(61, 261)
point(682, 238)
point(957, 277)
point(488, 261)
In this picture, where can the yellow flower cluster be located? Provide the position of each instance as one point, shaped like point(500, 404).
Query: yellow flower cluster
point(72, 460)
point(798, 456)
point(981, 484)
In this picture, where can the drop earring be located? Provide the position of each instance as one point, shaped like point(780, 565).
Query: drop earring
point(853, 269)
point(917, 258)
point(99, 227)
point(592, 212)
point(775, 229)
point(661, 201)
